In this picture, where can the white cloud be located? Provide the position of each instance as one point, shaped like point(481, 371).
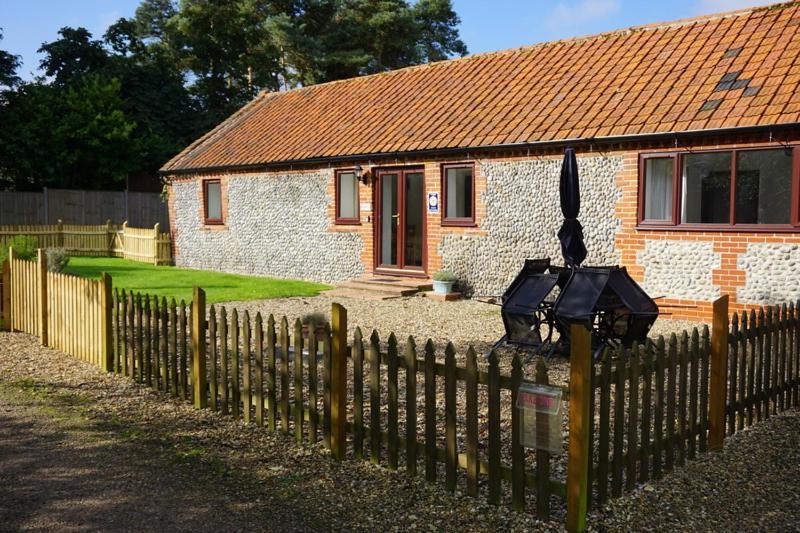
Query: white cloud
point(571, 14)
point(718, 6)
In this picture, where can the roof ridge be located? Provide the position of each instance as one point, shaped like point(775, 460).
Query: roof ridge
point(568, 40)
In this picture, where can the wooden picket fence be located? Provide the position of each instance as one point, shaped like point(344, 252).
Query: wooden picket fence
point(66, 312)
point(654, 409)
point(148, 245)
point(634, 415)
point(268, 372)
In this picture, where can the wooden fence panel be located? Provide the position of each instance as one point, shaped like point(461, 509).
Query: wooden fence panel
point(148, 245)
point(82, 207)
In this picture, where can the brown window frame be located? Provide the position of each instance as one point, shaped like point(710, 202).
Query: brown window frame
point(346, 220)
point(677, 184)
point(212, 221)
point(457, 221)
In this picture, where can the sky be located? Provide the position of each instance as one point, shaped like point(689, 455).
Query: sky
point(486, 25)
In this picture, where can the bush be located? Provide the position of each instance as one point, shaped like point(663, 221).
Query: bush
point(444, 275)
point(318, 318)
point(24, 247)
point(57, 259)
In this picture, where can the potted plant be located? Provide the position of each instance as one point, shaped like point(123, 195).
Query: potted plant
point(443, 281)
point(318, 319)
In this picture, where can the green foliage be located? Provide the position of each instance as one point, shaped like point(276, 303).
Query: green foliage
point(124, 104)
point(24, 247)
point(9, 63)
point(444, 275)
point(57, 259)
point(90, 145)
point(318, 318)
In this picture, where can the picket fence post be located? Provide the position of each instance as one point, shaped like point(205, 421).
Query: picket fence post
point(199, 348)
point(719, 378)
point(580, 394)
point(156, 230)
point(106, 330)
point(5, 305)
point(42, 275)
point(338, 374)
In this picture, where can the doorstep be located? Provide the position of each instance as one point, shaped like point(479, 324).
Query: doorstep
point(449, 297)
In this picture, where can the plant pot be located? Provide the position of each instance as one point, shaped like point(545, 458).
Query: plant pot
point(443, 287)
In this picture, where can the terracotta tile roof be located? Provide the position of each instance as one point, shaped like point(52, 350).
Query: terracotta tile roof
point(651, 79)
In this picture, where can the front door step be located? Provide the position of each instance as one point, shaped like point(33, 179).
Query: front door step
point(380, 288)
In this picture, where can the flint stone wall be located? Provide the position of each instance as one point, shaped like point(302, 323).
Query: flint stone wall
point(523, 216)
point(277, 225)
point(680, 269)
point(772, 274)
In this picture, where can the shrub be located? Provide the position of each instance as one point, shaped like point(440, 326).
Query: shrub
point(24, 247)
point(57, 259)
point(318, 318)
point(444, 275)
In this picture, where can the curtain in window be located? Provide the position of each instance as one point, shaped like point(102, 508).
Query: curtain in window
point(658, 189)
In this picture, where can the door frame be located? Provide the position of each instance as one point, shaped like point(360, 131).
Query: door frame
point(401, 270)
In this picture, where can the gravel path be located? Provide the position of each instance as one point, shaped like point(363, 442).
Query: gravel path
point(64, 473)
point(752, 485)
point(462, 322)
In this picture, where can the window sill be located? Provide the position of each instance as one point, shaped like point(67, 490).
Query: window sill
point(214, 226)
point(459, 223)
point(347, 222)
point(717, 228)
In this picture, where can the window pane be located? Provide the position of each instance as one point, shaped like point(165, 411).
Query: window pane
point(459, 193)
point(348, 195)
point(658, 188)
point(707, 188)
point(213, 201)
point(763, 187)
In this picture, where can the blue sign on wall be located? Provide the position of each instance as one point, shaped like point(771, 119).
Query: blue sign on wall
point(433, 202)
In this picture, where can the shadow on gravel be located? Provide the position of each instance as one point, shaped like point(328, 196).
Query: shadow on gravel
point(62, 471)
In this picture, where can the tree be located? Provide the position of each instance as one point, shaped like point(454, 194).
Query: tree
point(9, 63)
point(91, 145)
point(73, 55)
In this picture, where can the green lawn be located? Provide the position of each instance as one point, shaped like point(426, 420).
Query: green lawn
point(178, 283)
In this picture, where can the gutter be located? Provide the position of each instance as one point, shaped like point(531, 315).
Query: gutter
point(574, 142)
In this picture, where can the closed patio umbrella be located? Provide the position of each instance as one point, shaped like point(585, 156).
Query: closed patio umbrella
point(571, 232)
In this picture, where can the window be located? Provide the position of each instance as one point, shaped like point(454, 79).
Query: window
point(212, 196)
point(706, 188)
point(720, 189)
point(458, 191)
point(346, 197)
point(659, 177)
point(764, 187)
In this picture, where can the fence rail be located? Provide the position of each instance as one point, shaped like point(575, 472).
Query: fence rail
point(634, 415)
point(148, 245)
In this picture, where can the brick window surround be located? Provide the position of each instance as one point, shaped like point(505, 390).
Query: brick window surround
point(212, 221)
point(674, 219)
point(458, 221)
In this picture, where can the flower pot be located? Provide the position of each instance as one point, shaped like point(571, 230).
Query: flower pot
point(443, 287)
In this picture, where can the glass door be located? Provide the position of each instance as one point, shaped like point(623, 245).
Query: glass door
point(401, 221)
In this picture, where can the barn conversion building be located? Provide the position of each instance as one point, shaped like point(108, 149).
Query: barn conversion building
point(688, 141)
